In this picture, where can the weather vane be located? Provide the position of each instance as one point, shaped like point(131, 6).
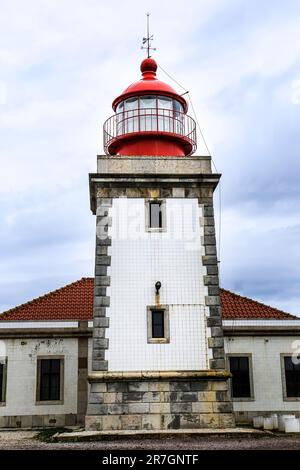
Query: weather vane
point(147, 40)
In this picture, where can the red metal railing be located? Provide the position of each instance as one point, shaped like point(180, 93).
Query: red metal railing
point(149, 120)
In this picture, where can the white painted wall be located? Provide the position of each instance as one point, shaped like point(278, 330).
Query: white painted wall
point(138, 260)
point(22, 373)
point(267, 377)
point(265, 351)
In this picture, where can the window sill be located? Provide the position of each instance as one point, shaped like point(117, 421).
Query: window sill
point(291, 399)
point(158, 340)
point(49, 402)
point(156, 230)
point(242, 399)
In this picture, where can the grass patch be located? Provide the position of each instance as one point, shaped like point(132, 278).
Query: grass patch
point(45, 435)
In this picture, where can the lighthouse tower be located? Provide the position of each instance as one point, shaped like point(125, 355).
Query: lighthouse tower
point(158, 360)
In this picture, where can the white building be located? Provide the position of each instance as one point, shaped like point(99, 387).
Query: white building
point(58, 327)
point(147, 333)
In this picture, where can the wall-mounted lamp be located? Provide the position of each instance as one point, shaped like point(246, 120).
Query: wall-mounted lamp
point(157, 287)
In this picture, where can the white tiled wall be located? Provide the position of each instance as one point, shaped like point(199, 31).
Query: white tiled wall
point(267, 376)
point(138, 260)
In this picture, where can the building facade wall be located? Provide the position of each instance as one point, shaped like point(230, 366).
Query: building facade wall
point(268, 377)
point(139, 258)
point(21, 408)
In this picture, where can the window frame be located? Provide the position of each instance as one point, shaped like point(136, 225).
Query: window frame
point(251, 382)
point(38, 380)
point(3, 361)
point(165, 310)
point(148, 203)
point(283, 378)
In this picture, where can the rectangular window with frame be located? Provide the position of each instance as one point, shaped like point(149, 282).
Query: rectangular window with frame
point(50, 379)
point(292, 377)
point(158, 323)
point(241, 377)
point(155, 215)
point(3, 373)
point(158, 330)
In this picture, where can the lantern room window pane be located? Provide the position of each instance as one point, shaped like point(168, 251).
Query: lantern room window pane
point(177, 106)
point(120, 119)
point(165, 114)
point(147, 102)
point(131, 103)
point(148, 119)
point(131, 120)
point(178, 118)
point(120, 107)
point(165, 103)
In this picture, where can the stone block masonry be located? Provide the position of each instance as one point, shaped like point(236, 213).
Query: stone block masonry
point(159, 401)
point(211, 281)
point(102, 281)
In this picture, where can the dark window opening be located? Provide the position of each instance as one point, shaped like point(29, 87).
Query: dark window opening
point(2, 382)
point(50, 371)
point(155, 215)
point(240, 382)
point(158, 327)
point(292, 377)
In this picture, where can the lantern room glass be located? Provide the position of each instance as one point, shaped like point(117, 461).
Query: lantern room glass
point(149, 113)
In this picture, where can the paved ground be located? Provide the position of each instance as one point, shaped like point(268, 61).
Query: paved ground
point(28, 440)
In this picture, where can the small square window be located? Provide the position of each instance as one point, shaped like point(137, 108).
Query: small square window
point(292, 377)
point(50, 379)
point(158, 324)
point(155, 215)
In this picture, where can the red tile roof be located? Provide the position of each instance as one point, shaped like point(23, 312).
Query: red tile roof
point(71, 302)
point(75, 302)
point(237, 306)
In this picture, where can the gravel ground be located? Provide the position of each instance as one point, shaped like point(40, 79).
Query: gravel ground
point(27, 440)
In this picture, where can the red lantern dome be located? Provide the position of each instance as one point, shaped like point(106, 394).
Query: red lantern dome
point(150, 119)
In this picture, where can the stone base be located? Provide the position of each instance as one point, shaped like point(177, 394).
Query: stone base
point(159, 401)
point(246, 417)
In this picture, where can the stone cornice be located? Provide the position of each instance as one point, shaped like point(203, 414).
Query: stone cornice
point(261, 330)
point(16, 333)
point(158, 375)
point(140, 185)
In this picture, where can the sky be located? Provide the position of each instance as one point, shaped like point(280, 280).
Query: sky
point(63, 62)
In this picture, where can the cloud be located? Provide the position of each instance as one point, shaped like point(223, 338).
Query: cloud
point(62, 63)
